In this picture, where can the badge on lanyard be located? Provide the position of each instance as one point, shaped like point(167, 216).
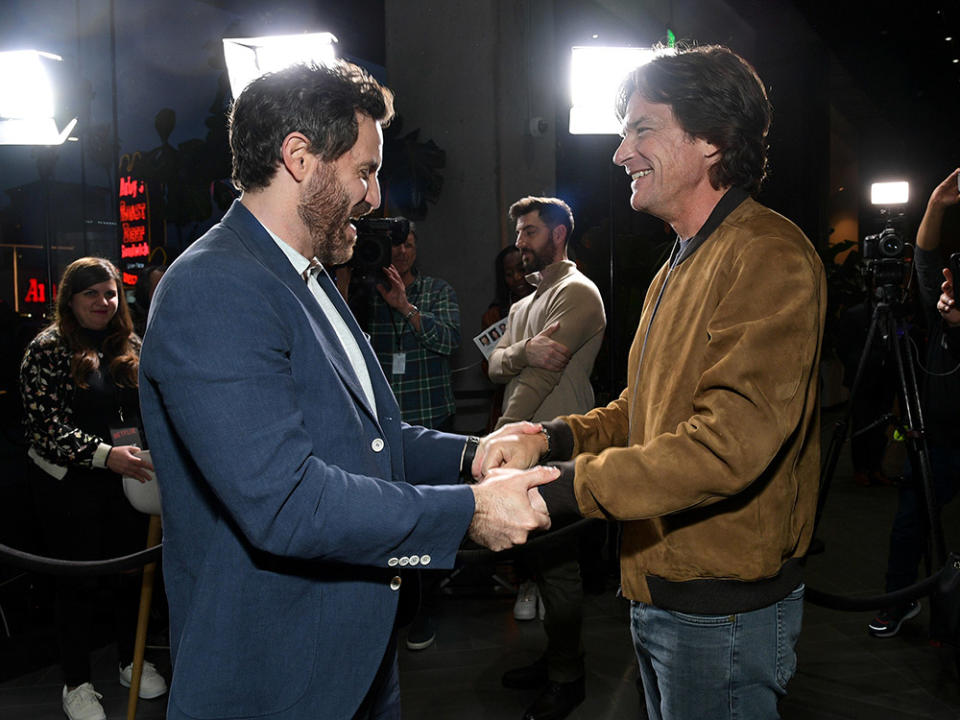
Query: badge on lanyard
point(399, 364)
point(126, 436)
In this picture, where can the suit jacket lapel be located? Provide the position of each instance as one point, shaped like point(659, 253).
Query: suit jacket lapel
point(381, 390)
point(265, 251)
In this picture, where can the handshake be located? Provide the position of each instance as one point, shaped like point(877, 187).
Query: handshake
point(508, 503)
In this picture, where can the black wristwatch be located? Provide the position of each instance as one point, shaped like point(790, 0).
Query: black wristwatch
point(466, 458)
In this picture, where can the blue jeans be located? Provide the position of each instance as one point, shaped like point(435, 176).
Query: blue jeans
point(713, 667)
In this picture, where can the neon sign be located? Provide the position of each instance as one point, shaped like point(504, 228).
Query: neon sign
point(37, 291)
point(135, 250)
point(135, 226)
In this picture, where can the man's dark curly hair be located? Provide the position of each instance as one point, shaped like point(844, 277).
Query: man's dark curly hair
point(317, 100)
point(717, 96)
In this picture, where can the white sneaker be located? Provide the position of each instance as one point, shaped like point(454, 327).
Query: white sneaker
point(525, 608)
point(83, 703)
point(152, 684)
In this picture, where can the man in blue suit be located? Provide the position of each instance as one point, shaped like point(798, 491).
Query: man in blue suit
point(292, 492)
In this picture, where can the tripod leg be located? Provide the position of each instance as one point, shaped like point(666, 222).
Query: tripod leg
point(916, 440)
point(842, 427)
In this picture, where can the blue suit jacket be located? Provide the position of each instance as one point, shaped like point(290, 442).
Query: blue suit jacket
point(286, 503)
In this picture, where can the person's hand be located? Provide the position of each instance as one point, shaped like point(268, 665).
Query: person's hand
point(947, 304)
point(505, 514)
point(537, 502)
point(542, 352)
point(124, 460)
point(517, 445)
point(395, 293)
point(946, 193)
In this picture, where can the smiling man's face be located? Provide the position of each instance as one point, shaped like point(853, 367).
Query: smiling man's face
point(666, 166)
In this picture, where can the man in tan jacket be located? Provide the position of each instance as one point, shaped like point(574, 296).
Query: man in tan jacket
point(545, 357)
point(710, 456)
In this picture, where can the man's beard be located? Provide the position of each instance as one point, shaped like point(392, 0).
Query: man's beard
point(532, 261)
point(324, 209)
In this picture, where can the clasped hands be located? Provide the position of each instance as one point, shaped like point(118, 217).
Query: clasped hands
point(508, 504)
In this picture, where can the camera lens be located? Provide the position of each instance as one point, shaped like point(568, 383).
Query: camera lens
point(891, 245)
point(369, 251)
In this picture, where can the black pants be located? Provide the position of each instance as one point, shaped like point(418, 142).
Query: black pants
point(561, 589)
point(85, 516)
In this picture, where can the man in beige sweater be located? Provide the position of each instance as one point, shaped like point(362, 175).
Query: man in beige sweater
point(545, 358)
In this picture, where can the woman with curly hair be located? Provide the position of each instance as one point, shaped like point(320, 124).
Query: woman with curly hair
point(82, 414)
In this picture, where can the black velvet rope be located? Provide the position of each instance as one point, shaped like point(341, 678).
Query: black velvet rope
point(466, 555)
point(872, 602)
point(56, 566)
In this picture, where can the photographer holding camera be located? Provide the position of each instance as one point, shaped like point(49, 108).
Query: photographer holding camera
point(940, 394)
point(414, 326)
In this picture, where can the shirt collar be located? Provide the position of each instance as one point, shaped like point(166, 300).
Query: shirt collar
point(550, 273)
point(299, 262)
point(730, 201)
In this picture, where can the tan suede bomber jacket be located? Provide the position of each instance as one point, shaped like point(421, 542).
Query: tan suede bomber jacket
point(710, 456)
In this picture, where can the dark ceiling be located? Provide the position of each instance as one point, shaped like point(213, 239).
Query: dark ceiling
point(906, 59)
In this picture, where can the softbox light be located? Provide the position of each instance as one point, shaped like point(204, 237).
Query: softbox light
point(27, 100)
point(890, 193)
point(595, 74)
point(249, 58)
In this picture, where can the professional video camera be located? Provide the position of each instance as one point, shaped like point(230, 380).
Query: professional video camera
point(376, 238)
point(887, 258)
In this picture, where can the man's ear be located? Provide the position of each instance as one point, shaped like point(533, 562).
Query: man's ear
point(711, 152)
point(296, 155)
point(559, 235)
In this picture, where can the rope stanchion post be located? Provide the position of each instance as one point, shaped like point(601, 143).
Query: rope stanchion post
point(154, 534)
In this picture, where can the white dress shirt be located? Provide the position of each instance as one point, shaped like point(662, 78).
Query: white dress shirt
point(347, 340)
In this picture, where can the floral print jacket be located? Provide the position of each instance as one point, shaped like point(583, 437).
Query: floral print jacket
point(47, 388)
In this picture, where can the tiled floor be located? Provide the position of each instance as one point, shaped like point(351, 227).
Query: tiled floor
point(843, 673)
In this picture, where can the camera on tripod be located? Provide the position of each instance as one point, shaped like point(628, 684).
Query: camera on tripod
point(886, 258)
point(885, 244)
point(376, 238)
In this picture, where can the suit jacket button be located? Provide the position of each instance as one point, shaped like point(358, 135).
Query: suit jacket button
point(424, 559)
point(404, 561)
point(395, 582)
point(392, 562)
point(377, 444)
point(414, 560)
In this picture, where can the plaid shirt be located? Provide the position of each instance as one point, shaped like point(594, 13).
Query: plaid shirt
point(424, 390)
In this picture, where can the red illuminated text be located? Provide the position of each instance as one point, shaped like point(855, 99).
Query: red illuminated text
point(133, 211)
point(134, 225)
point(36, 292)
point(133, 233)
point(130, 187)
point(135, 250)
